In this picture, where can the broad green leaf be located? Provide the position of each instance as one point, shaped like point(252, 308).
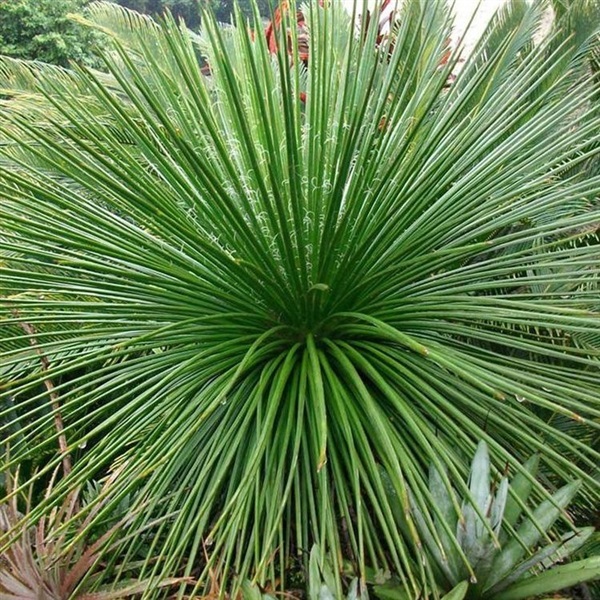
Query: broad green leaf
point(520, 488)
point(325, 593)
point(524, 569)
point(251, 591)
point(545, 558)
point(531, 531)
point(499, 505)
point(458, 592)
point(392, 592)
point(569, 543)
point(473, 534)
point(558, 578)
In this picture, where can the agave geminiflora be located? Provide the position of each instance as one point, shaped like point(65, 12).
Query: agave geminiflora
point(254, 307)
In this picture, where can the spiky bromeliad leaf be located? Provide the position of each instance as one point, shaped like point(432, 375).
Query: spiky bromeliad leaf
point(267, 294)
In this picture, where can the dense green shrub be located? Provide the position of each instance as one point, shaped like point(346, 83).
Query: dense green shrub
point(190, 10)
point(41, 30)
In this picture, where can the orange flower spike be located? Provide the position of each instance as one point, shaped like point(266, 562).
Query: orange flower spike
point(274, 25)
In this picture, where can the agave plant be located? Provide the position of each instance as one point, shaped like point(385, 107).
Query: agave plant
point(265, 294)
point(502, 568)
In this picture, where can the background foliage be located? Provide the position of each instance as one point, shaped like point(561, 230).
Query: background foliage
point(41, 30)
point(190, 10)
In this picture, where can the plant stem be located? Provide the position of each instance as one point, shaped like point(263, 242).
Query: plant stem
point(54, 398)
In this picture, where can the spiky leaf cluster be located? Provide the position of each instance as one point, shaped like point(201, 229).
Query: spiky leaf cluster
point(265, 294)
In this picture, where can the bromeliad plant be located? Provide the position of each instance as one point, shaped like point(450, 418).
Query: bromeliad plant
point(266, 294)
point(503, 567)
point(40, 564)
